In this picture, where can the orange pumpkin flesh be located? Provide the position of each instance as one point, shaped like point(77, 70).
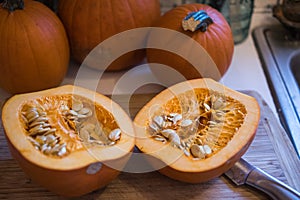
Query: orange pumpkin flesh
point(90, 22)
point(75, 172)
point(34, 52)
point(217, 40)
point(228, 137)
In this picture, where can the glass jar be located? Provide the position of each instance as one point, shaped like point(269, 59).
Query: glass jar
point(238, 13)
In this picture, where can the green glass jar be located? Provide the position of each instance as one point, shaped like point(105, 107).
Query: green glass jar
point(238, 13)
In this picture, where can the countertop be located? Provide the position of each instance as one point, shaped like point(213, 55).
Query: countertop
point(246, 71)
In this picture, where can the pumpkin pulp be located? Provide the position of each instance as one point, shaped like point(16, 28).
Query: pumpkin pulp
point(205, 121)
point(58, 125)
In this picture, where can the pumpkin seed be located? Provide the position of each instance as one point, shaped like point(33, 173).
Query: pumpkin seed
point(177, 118)
point(84, 135)
point(46, 149)
point(33, 141)
point(115, 134)
point(62, 151)
point(84, 111)
point(97, 142)
point(64, 108)
point(44, 130)
point(159, 121)
point(33, 124)
point(77, 105)
point(174, 117)
point(50, 131)
point(35, 129)
point(218, 104)
point(41, 139)
point(72, 113)
point(55, 148)
point(197, 151)
point(160, 138)
point(34, 118)
point(167, 132)
point(50, 138)
point(175, 139)
point(206, 106)
point(207, 149)
point(186, 123)
point(154, 128)
point(80, 116)
point(112, 143)
point(186, 152)
point(198, 141)
point(41, 119)
point(33, 114)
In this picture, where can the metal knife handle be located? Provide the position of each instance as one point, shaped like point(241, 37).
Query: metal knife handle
point(271, 186)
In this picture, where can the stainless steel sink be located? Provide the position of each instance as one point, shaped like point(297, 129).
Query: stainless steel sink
point(279, 51)
point(295, 66)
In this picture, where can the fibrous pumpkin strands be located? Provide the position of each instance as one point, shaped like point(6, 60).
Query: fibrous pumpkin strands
point(202, 131)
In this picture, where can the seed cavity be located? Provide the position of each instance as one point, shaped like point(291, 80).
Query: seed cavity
point(199, 122)
point(58, 125)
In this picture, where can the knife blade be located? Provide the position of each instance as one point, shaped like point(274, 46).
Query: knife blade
point(244, 173)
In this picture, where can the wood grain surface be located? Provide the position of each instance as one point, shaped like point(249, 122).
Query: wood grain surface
point(271, 151)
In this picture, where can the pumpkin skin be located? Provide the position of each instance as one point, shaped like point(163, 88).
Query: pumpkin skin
point(90, 22)
point(171, 161)
point(217, 40)
point(68, 175)
point(34, 51)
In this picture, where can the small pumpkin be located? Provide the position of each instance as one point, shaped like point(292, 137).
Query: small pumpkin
point(202, 24)
point(90, 22)
point(196, 130)
point(68, 139)
point(34, 47)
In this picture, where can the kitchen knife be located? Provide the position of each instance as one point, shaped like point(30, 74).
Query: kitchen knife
point(244, 173)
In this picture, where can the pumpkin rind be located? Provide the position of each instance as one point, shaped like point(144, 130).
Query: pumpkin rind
point(68, 176)
point(217, 40)
point(176, 164)
point(34, 52)
point(90, 22)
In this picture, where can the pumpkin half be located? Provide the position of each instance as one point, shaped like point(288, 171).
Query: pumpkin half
point(202, 24)
point(196, 130)
point(68, 139)
point(34, 50)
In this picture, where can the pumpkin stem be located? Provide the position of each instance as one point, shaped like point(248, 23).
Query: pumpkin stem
point(197, 21)
point(13, 5)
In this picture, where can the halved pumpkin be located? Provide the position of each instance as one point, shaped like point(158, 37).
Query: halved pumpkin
point(196, 130)
point(68, 139)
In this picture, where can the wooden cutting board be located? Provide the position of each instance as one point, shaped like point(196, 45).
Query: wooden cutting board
point(271, 151)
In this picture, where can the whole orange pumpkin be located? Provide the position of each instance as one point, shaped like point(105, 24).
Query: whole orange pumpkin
point(34, 50)
point(90, 22)
point(216, 39)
